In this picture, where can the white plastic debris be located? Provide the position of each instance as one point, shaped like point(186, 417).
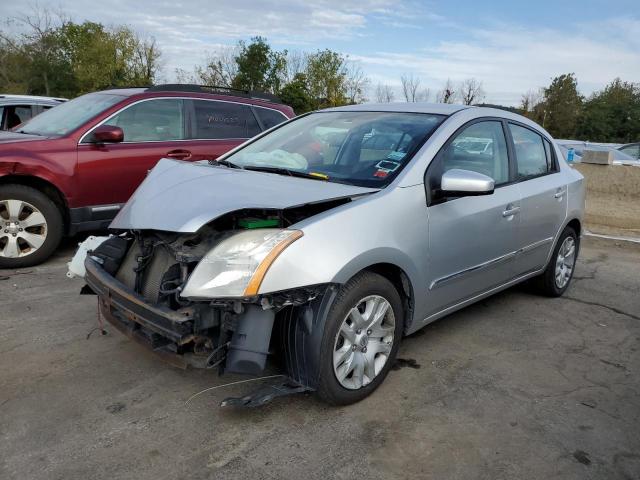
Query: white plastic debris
point(76, 265)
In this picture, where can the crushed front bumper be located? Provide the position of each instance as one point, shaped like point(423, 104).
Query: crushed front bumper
point(159, 329)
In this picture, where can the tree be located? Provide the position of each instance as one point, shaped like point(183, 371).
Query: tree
point(259, 67)
point(471, 91)
point(529, 101)
point(327, 78)
point(355, 83)
point(612, 114)
point(54, 56)
point(410, 86)
point(384, 93)
point(561, 106)
point(447, 94)
point(220, 68)
point(296, 94)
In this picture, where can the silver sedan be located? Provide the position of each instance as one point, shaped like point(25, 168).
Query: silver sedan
point(325, 240)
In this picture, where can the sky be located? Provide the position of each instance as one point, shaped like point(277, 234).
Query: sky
point(510, 46)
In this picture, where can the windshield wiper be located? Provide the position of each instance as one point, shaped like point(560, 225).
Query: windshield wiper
point(25, 133)
point(226, 163)
point(287, 171)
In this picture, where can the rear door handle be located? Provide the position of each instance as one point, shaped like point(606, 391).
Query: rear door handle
point(179, 154)
point(560, 193)
point(509, 212)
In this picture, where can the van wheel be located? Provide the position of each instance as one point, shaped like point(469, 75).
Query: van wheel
point(362, 335)
point(31, 226)
point(555, 280)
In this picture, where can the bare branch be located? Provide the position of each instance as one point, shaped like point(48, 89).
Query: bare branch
point(384, 93)
point(410, 86)
point(471, 91)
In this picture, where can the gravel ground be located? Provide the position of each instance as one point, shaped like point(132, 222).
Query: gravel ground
point(517, 386)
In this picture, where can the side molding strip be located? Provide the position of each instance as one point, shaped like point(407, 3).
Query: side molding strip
point(488, 264)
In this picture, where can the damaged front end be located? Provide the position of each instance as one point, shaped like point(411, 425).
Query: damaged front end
point(145, 285)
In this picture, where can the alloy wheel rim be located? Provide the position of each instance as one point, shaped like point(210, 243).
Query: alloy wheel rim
point(363, 343)
point(565, 262)
point(23, 228)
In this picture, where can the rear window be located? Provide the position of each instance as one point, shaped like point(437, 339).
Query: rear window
point(270, 118)
point(222, 120)
point(531, 155)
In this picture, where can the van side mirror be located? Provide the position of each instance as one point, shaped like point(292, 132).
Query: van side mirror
point(461, 183)
point(107, 134)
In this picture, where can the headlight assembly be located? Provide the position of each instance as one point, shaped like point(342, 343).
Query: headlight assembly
point(236, 266)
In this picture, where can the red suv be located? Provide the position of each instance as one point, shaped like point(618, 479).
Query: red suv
point(71, 168)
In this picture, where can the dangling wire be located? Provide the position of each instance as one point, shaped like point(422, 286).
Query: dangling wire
point(100, 323)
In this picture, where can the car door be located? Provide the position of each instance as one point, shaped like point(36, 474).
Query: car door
point(473, 239)
point(543, 193)
point(217, 126)
point(153, 129)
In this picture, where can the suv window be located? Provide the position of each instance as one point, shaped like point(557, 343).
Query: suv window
point(269, 118)
point(222, 120)
point(151, 121)
point(481, 148)
point(531, 155)
point(17, 114)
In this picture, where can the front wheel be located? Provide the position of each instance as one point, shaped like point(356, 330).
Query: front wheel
point(31, 226)
point(362, 335)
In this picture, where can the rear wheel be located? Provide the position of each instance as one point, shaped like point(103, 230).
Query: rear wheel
point(31, 226)
point(555, 280)
point(361, 339)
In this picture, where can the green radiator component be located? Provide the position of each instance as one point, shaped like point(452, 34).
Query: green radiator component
point(258, 222)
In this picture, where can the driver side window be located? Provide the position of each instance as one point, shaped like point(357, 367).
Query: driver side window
point(481, 148)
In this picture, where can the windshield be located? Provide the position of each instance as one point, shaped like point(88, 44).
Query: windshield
point(68, 116)
point(359, 148)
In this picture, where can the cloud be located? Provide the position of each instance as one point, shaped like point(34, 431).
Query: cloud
point(511, 60)
point(508, 59)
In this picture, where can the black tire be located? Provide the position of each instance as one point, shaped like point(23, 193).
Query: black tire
point(54, 224)
point(364, 284)
point(545, 283)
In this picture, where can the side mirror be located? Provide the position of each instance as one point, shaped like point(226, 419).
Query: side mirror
point(107, 134)
point(461, 183)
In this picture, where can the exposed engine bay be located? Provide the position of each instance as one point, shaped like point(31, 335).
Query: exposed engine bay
point(139, 276)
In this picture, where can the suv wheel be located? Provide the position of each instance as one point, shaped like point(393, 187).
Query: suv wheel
point(361, 339)
point(556, 278)
point(31, 226)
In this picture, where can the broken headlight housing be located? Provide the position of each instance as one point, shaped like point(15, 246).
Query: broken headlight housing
point(236, 266)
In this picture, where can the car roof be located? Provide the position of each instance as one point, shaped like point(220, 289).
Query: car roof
point(217, 92)
point(405, 107)
point(10, 98)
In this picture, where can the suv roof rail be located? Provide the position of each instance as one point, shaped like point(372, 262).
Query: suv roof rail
point(216, 89)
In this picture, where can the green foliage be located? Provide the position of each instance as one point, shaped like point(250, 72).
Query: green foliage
point(327, 80)
point(561, 107)
point(259, 67)
point(69, 59)
point(613, 114)
point(296, 94)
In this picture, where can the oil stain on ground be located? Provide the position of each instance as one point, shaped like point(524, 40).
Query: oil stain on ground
point(405, 362)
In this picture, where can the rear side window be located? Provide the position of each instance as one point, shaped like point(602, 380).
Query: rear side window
point(269, 118)
point(482, 148)
point(151, 121)
point(220, 120)
point(531, 154)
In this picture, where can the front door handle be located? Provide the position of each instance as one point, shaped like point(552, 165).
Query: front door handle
point(510, 212)
point(179, 154)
